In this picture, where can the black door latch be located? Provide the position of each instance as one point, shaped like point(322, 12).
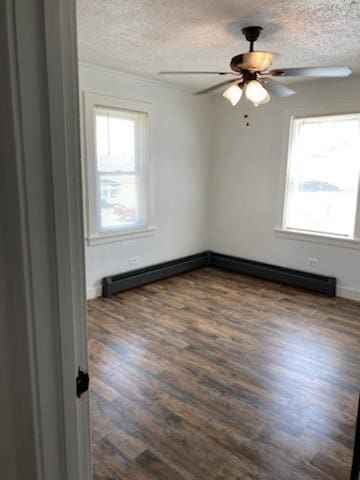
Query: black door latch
point(82, 383)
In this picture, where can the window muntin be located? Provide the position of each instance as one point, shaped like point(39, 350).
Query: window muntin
point(120, 138)
point(323, 175)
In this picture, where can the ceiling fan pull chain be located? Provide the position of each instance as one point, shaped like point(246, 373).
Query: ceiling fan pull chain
point(246, 117)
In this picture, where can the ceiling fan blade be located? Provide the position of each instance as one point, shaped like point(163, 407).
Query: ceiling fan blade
point(340, 71)
point(218, 86)
point(195, 73)
point(276, 88)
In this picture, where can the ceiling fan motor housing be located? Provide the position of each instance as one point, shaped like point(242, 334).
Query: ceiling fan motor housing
point(252, 61)
point(237, 63)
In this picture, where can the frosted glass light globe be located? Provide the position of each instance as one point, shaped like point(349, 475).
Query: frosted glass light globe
point(256, 93)
point(233, 94)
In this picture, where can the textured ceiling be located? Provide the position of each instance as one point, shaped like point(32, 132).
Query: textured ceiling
point(145, 36)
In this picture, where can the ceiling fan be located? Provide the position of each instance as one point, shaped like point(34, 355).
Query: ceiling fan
point(250, 74)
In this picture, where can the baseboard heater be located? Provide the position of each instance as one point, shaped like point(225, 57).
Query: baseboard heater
point(288, 276)
point(135, 278)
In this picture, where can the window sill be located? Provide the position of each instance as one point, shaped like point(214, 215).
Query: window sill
point(353, 243)
point(118, 236)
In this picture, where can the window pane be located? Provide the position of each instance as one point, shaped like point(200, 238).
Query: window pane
point(323, 175)
point(118, 201)
point(115, 142)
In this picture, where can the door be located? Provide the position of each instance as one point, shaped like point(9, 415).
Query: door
point(42, 168)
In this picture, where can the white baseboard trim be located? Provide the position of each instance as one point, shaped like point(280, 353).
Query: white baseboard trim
point(93, 292)
point(348, 292)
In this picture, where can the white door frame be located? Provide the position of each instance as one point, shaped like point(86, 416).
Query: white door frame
point(42, 243)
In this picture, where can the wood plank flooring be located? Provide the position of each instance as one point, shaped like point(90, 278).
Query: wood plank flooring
point(213, 375)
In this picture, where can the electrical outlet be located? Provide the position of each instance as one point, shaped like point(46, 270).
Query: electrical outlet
point(134, 261)
point(312, 262)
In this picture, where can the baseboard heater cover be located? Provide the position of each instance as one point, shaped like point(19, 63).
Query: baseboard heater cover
point(297, 278)
point(288, 276)
point(135, 278)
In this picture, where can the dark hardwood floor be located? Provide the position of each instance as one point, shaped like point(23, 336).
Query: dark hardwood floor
point(213, 375)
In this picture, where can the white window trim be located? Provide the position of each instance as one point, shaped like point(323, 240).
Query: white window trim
point(94, 236)
point(280, 230)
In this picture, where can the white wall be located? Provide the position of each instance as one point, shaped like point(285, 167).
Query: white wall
point(217, 182)
point(246, 181)
point(180, 134)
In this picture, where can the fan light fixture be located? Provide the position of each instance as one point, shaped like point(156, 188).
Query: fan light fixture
point(256, 93)
point(233, 94)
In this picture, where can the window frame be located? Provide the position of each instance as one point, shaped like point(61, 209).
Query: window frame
point(280, 228)
point(95, 233)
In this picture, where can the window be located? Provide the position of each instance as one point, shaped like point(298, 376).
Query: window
point(120, 168)
point(117, 168)
point(323, 171)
